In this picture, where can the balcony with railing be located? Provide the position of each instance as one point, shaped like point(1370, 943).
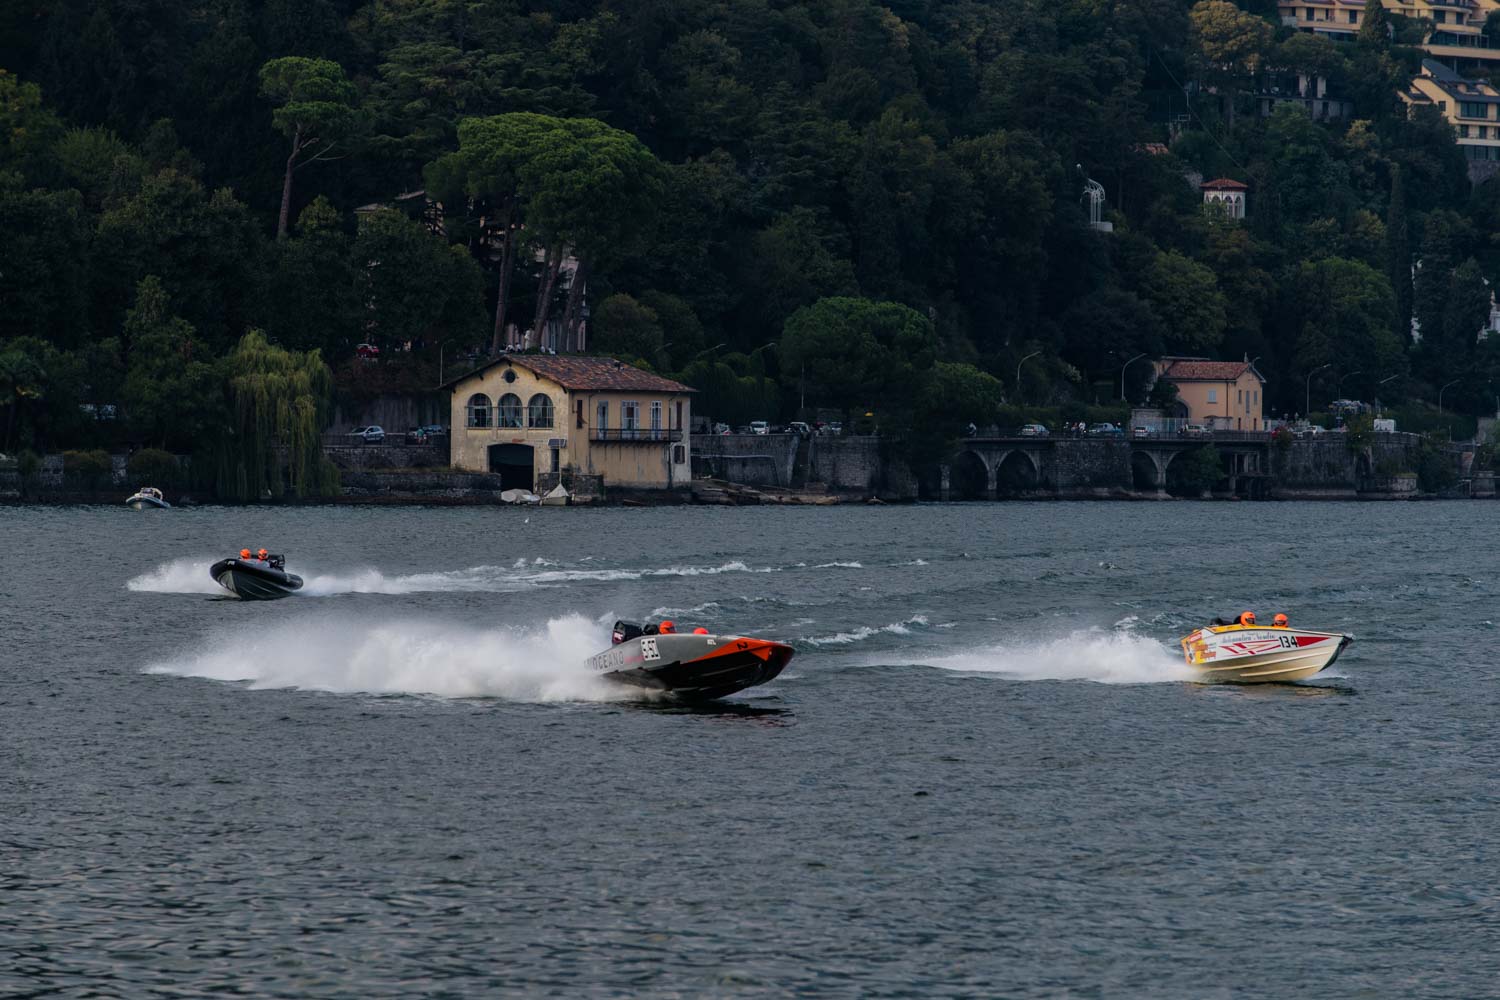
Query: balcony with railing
point(635, 435)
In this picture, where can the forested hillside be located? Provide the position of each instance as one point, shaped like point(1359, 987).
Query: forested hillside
point(855, 204)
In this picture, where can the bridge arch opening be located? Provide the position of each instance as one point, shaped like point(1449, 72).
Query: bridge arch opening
point(1145, 474)
point(1194, 473)
point(968, 478)
point(1017, 473)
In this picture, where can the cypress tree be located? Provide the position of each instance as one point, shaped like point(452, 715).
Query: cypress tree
point(1398, 254)
point(1375, 29)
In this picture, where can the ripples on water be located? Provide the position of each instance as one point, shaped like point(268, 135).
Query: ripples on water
point(983, 773)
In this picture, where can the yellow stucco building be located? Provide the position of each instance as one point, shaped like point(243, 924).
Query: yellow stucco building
point(531, 418)
point(1455, 34)
point(1224, 395)
point(1471, 106)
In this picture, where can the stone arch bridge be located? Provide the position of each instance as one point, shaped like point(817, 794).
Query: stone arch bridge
point(992, 468)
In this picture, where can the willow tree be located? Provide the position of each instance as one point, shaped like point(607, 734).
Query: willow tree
point(280, 402)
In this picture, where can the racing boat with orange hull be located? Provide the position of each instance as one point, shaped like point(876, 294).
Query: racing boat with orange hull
point(1253, 654)
point(689, 666)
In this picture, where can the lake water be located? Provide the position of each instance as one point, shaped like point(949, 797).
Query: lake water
point(983, 774)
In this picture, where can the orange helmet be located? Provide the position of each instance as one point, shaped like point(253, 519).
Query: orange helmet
point(1247, 618)
point(700, 630)
point(262, 553)
point(1279, 621)
point(244, 553)
point(665, 627)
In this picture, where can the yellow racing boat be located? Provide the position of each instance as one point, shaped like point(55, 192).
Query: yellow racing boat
point(1257, 654)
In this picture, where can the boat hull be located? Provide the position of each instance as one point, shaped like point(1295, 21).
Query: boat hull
point(692, 667)
point(252, 580)
point(1240, 654)
point(139, 502)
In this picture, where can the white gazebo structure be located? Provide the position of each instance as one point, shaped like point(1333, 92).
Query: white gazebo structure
point(1226, 194)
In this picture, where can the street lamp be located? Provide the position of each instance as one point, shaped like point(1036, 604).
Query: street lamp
point(1307, 391)
point(1445, 389)
point(1357, 371)
point(1122, 372)
point(1389, 378)
point(1018, 372)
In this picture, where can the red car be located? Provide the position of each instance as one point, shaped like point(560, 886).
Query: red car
point(367, 351)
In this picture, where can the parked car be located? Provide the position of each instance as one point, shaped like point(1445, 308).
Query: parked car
point(834, 427)
point(1194, 430)
point(759, 427)
point(800, 428)
point(425, 433)
point(1105, 430)
point(367, 351)
point(721, 428)
point(372, 434)
point(1140, 432)
point(1034, 430)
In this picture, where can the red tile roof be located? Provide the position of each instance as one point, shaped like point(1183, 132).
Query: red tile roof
point(1225, 184)
point(1196, 370)
point(586, 374)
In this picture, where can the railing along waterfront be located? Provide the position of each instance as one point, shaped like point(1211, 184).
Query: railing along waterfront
point(641, 435)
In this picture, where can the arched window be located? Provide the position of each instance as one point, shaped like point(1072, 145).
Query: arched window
point(479, 410)
point(539, 411)
point(510, 410)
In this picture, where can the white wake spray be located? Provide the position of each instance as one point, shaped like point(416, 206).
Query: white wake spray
point(1085, 655)
point(420, 658)
point(180, 576)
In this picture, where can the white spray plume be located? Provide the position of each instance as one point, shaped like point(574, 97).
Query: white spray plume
point(451, 661)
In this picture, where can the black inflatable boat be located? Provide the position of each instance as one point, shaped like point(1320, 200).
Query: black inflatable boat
point(256, 579)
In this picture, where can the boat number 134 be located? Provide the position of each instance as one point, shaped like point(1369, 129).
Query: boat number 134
point(1288, 641)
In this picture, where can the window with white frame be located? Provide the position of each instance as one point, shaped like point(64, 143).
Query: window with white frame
point(630, 418)
point(656, 418)
point(539, 411)
point(601, 418)
point(510, 411)
point(479, 410)
point(1213, 395)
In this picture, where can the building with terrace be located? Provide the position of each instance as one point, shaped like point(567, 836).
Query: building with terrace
point(539, 419)
point(1455, 37)
point(1471, 106)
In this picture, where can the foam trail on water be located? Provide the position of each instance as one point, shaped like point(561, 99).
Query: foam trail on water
point(419, 658)
point(1086, 655)
point(190, 576)
point(475, 579)
point(867, 631)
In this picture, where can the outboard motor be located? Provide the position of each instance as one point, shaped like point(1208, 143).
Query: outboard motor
point(625, 631)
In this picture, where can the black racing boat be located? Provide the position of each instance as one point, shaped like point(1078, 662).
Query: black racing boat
point(691, 666)
point(256, 579)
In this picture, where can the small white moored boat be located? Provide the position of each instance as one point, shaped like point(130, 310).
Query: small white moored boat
point(558, 496)
point(149, 497)
point(1256, 654)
